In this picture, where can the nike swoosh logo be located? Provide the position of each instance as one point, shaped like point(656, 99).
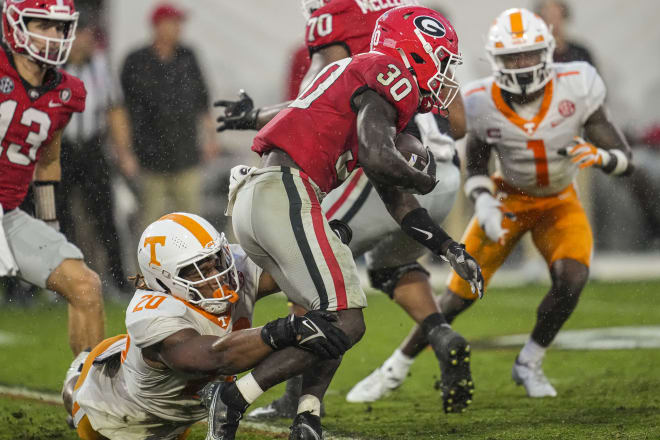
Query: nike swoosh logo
point(52, 104)
point(556, 123)
point(427, 233)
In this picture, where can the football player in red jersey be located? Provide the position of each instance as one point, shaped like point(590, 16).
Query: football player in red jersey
point(37, 102)
point(335, 30)
point(347, 117)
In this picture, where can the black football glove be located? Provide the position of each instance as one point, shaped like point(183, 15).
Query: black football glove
point(313, 332)
point(239, 115)
point(465, 266)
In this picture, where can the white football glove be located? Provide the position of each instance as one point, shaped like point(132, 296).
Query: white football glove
point(585, 154)
point(489, 215)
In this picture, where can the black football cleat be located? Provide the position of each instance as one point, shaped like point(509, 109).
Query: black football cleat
point(306, 427)
point(453, 352)
point(223, 419)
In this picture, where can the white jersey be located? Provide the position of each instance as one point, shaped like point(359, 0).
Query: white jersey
point(140, 401)
point(528, 148)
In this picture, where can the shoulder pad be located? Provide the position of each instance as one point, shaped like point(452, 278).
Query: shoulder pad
point(72, 92)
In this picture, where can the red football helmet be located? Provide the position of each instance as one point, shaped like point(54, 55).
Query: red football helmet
point(428, 45)
point(16, 13)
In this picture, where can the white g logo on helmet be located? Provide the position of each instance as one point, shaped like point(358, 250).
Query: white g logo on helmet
point(430, 26)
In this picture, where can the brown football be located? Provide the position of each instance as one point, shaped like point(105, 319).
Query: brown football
point(412, 150)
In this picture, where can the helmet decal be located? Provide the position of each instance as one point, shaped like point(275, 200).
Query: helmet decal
point(430, 26)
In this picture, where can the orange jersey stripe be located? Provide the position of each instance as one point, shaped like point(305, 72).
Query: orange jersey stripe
point(572, 72)
point(191, 225)
point(478, 89)
point(528, 126)
point(515, 19)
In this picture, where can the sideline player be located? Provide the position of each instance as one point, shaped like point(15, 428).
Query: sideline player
point(532, 113)
point(188, 327)
point(37, 102)
point(335, 30)
point(347, 117)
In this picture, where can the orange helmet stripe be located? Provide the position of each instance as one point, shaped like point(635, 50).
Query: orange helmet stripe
point(515, 19)
point(192, 226)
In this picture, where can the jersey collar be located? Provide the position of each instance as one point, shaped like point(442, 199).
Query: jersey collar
point(527, 126)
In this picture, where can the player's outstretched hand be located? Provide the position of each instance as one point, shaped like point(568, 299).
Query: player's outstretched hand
point(584, 154)
point(313, 332)
point(239, 114)
point(466, 267)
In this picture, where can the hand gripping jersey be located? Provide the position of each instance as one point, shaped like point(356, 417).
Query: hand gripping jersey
point(140, 401)
point(29, 116)
point(528, 148)
point(319, 129)
point(347, 22)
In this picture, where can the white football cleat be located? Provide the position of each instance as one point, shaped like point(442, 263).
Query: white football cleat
point(532, 377)
point(378, 384)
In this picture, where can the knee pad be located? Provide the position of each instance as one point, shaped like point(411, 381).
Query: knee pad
point(387, 278)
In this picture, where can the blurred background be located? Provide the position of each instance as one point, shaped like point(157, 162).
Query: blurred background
point(208, 50)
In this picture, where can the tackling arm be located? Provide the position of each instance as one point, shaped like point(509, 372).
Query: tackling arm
point(376, 127)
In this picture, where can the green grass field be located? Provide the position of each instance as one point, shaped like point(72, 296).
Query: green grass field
point(608, 394)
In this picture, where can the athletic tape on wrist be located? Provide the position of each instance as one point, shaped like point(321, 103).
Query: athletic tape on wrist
point(478, 181)
point(249, 388)
point(44, 200)
point(621, 162)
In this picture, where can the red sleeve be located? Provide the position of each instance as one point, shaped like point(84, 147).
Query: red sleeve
point(391, 80)
point(78, 95)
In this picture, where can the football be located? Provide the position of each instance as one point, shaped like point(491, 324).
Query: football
point(412, 150)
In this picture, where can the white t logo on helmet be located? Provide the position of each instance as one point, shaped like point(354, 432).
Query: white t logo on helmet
point(430, 26)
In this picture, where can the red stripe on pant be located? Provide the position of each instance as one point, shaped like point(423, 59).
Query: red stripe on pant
point(347, 192)
point(328, 254)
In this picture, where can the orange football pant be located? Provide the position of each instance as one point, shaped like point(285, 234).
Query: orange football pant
point(559, 226)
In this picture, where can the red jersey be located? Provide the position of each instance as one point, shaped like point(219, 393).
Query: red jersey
point(319, 129)
point(29, 117)
point(347, 22)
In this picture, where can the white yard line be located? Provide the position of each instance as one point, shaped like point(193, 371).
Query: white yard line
point(52, 398)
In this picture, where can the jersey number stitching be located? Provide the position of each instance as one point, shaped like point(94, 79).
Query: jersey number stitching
point(34, 139)
point(152, 302)
point(541, 160)
point(322, 24)
point(395, 90)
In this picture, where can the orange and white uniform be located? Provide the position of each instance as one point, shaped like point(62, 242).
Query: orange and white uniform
point(533, 180)
point(139, 401)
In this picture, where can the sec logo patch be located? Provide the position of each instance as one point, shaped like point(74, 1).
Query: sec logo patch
point(566, 108)
point(6, 85)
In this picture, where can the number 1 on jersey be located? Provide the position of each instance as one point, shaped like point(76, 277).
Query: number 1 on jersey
point(541, 159)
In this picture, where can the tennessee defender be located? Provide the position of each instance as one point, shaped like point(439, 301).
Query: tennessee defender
point(37, 100)
point(188, 330)
point(533, 114)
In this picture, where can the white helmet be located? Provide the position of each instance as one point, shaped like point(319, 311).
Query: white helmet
point(178, 240)
point(515, 31)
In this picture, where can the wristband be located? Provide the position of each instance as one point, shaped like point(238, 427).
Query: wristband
point(420, 226)
point(478, 181)
point(619, 163)
point(44, 200)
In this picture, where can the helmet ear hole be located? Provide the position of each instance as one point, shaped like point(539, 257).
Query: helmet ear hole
point(161, 284)
point(418, 59)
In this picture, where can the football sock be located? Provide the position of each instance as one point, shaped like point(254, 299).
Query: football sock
point(309, 403)
point(397, 364)
point(248, 388)
point(531, 353)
